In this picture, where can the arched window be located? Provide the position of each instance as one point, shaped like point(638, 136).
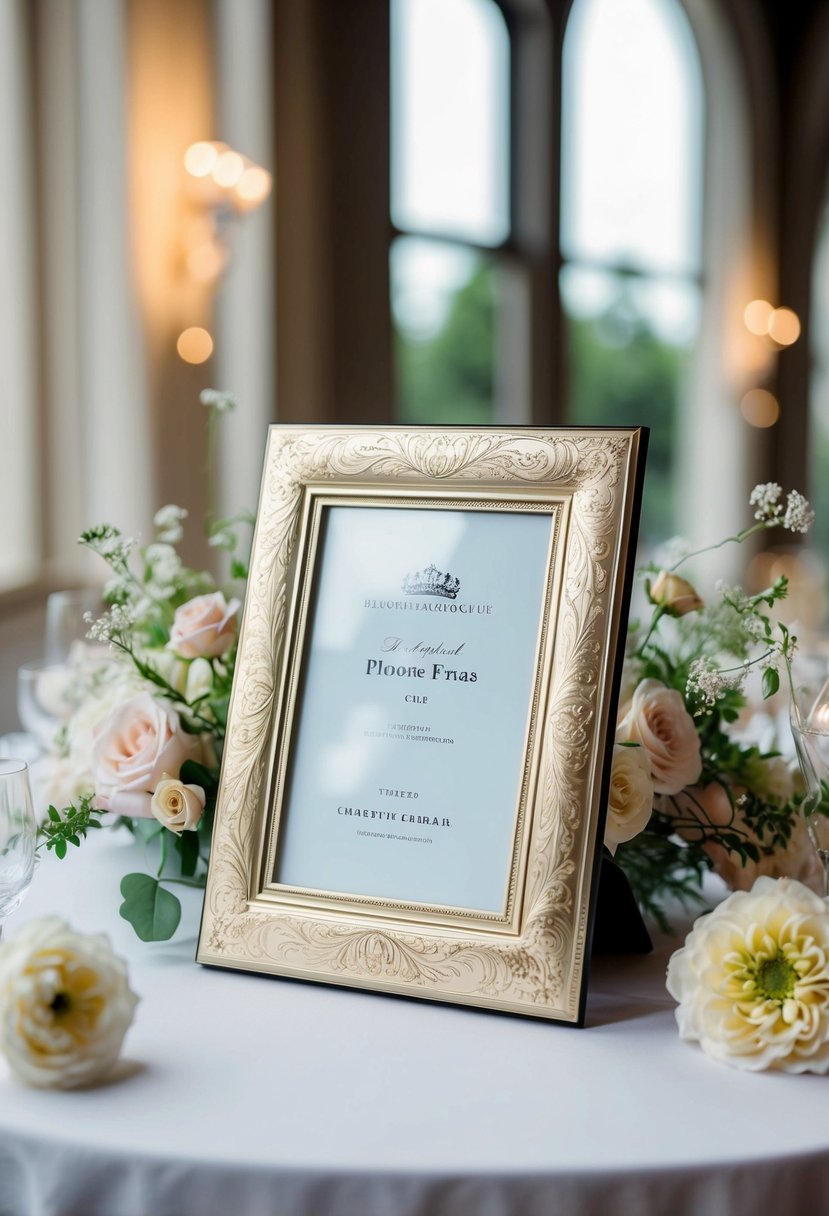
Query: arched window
point(450, 205)
point(632, 174)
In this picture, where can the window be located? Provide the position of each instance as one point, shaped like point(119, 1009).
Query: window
point(450, 178)
point(632, 116)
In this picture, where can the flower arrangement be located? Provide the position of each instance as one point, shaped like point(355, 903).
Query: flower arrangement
point(704, 795)
point(147, 708)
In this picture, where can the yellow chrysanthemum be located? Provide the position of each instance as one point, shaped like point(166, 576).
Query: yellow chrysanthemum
point(752, 979)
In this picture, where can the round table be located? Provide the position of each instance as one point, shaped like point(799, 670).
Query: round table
point(246, 1094)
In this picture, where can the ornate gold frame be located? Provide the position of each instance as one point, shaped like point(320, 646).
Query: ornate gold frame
point(531, 959)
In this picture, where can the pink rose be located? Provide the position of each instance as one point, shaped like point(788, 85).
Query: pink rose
point(658, 720)
point(710, 805)
point(135, 747)
point(204, 626)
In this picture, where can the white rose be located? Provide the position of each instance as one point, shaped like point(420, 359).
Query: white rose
point(630, 798)
point(658, 720)
point(65, 1005)
point(135, 748)
point(752, 979)
point(204, 627)
point(177, 806)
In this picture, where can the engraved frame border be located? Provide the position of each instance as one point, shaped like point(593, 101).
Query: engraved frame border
point(536, 964)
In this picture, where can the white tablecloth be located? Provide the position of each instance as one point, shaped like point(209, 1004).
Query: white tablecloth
point(251, 1095)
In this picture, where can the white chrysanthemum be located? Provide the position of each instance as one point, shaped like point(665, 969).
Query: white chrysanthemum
point(752, 979)
point(65, 1005)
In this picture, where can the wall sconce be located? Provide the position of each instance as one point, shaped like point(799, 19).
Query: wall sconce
point(772, 330)
point(222, 185)
point(782, 325)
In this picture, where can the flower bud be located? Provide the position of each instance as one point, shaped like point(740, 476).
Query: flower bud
point(177, 806)
point(673, 594)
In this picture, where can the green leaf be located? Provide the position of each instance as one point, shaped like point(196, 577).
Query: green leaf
point(238, 569)
point(771, 682)
point(153, 912)
point(60, 849)
point(193, 773)
point(54, 814)
point(187, 847)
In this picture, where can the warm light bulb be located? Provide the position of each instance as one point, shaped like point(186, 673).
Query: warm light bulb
point(195, 345)
point(254, 185)
point(760, 408)
point(757, 316)
point(228, 169)
point(784, 326)
point(200, 158)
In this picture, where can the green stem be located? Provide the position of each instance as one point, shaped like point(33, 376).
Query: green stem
point(657, 617)
point(738, 540)
point(163, 862)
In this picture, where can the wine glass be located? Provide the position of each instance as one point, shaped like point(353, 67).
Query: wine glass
point(810, 731)
point(18, 833)
point(42, 701)
point(66, 624)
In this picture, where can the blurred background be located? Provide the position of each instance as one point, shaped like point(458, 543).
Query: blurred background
point(406, 211)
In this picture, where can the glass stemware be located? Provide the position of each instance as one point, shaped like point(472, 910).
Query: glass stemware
point(66, 624)
point(810, 730)
point(18, 833)
point(42, 701)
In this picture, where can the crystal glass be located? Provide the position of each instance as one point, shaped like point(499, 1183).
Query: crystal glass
point(18, 832)
point(42, 700)
point(810, 730)
point(65, 623)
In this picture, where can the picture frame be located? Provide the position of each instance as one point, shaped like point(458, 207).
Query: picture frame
point(416, 764)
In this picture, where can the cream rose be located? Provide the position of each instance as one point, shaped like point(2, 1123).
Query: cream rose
point(135, 747)
point(630, 798)
point(204, 627)
point(178, 807)
point(65, 1005)
point(752, 980)
point(658, 720)
point(673, 594)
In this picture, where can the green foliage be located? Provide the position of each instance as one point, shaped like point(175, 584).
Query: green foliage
point(68, 826)
point(662, 869)
point(706, 655)
point(153, 912)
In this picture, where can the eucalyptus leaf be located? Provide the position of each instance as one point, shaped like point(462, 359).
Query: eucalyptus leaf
point(153, 912)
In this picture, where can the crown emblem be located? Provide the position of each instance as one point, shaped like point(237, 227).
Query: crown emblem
point(431, 581)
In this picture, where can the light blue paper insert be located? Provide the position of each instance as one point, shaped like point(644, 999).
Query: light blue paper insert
point(405, 777)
